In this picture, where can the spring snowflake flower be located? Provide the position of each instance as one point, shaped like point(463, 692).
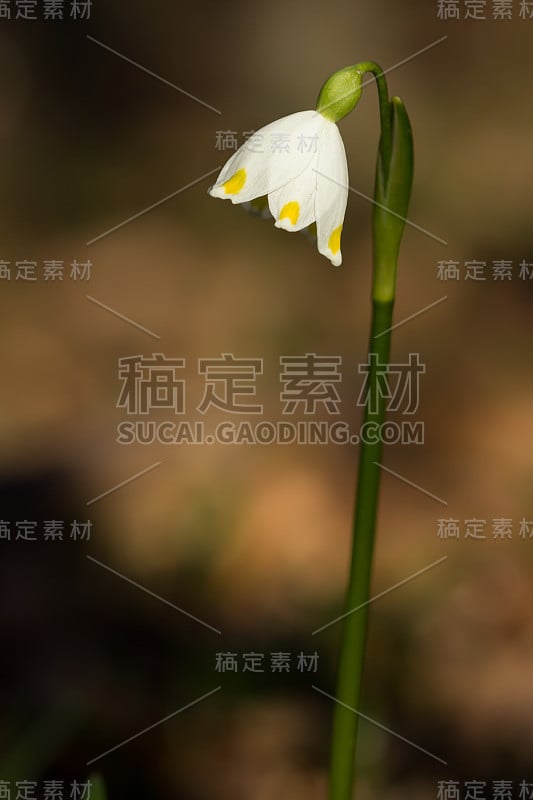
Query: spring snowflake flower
point(299, 163)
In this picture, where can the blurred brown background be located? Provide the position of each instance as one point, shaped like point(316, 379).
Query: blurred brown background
point(255, 540)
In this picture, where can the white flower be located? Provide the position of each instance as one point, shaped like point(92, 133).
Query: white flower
point(299, 161)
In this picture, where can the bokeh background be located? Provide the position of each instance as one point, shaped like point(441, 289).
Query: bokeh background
point(255, 540)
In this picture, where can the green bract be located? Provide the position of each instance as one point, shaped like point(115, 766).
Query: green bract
point(340, 93)
point(394, 181)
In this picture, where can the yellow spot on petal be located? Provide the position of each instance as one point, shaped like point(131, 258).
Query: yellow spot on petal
point(235, 183)
point(334, 242)
point(290, 211)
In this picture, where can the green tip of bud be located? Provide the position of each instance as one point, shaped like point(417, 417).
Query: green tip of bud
point(340, 93)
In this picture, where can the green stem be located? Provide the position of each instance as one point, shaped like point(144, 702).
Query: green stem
point(384, 109)
point(353, 641)
point(392, 192)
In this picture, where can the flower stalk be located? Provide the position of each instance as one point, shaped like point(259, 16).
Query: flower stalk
point(394, 173)
point(301, 188)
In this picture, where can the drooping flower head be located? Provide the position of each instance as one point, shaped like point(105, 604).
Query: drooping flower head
point(299, 164)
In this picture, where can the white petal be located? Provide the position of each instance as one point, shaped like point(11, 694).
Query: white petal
point(293, 206)
point(331, 194)
point(270, 158)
